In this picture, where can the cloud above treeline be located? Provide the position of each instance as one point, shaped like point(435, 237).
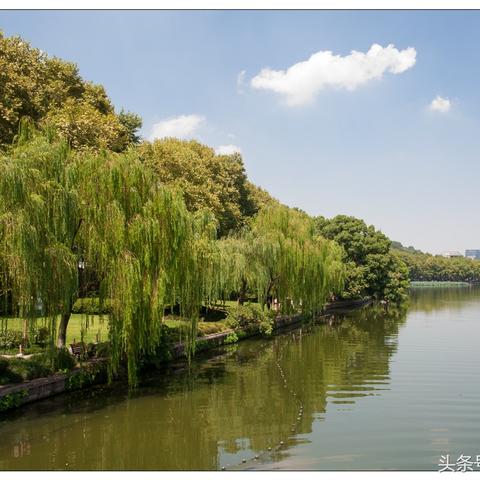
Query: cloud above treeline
point(300, 83)
point(227, 149)
point(440, 104)
point(186, 127)
point(183, 126)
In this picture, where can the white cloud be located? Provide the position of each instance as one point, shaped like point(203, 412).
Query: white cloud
point(227, 150)
point(241, 81)
point(302, 81)
point(440, 104)
point(183, 126)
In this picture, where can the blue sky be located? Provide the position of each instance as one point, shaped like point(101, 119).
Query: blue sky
point(373, 148)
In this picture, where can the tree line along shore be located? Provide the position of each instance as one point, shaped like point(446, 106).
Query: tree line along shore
point(150, 239)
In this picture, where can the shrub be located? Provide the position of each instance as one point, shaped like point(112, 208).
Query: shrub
point(251, 315)
point(40, 336)
point(12, 400)
point(6, 374)
point(208, 328)
point(91, 349)
point(36, 369)
point(102, 350)
point(3, 365)
point(10, 339)
point(91, 306)
point(63, 360)
point(231, 338)
point(28, 369)
point(16, 370)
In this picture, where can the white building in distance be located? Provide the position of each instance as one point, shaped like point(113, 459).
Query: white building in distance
point(451, 254)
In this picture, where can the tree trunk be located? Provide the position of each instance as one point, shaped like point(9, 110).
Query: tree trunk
point(268, 296)
point(62, 330)
point(25, 335)
point(243, 293)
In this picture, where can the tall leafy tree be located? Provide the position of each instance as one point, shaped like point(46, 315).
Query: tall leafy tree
point(48, 89)
point(371, 266)
point(280, 256)
point(216, 182)
point(39, 224)
point(62, 210)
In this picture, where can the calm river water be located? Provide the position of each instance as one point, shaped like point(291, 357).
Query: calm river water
point(370, 391)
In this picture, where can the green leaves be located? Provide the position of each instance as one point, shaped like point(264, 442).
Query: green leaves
point(371, 268)
point(50, 91)
point(217, 183)
point(280, 257)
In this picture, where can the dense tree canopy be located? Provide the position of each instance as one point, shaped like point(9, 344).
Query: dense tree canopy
point(159, 225)
point(280, 256)
point(60, 209)
point(436, 268)
point(372, 268)
point(216, 182)
point(63, 210)
point(50, 90)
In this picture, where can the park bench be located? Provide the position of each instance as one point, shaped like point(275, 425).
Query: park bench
point(78, 349)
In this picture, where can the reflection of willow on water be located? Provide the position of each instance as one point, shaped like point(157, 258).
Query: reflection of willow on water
point(431, 299)
point(344, 361)
point(224, 409)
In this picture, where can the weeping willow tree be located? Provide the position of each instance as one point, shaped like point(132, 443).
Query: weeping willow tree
point(39, 223)
point(281, 257)
point(149, 250)
point(61, 210)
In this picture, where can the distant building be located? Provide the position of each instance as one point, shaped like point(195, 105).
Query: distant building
point(451, 254)
point(475, 254)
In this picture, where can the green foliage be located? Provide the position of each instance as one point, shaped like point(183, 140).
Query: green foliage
point(131, 123)
point(51, 91)
point(85, 376)
point(102, 350)
point(426, 267)
point(280, 257)
point(209, 328)
point(85, 127)
point(91, 306)
point(250, 316)
point(3, 364)
point(39, 336)
point(15, 370)
point(355, 281)
point(10, 339)
point(148, 250)
point(29, 369)
point(143, 223)
point(6, 374)
point(39, 221)
point(396, 286)
point(12, 400)
point(372, 268)
point(63, 360)
point(231, 338)
point(209, 181)
point(353, 234)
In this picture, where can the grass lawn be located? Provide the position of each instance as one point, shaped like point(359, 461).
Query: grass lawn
point(97, 326)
